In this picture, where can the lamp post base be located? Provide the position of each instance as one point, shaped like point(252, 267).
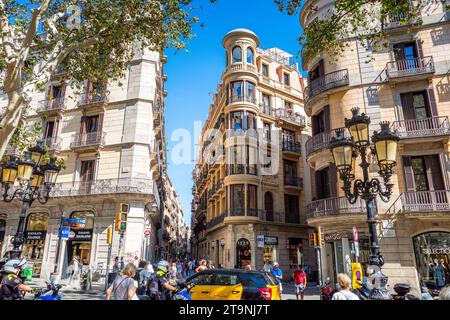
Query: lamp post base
point(377, 283)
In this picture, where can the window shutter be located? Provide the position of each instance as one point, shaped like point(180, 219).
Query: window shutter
point(83, 128)
point(326, 118)
point(407, 106)
point(434, 174)
point(321, 68)
point(409, 174)
point(419, 48)
point(432, 102)
point(399, 51)
point(333, 181)
point(315, 125)
point(100, 122)
point(319, 185)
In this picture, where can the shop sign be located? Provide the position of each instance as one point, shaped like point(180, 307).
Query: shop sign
point(271, 241)
point(80, 235)
point(35, 235)
point(260, 241)
point(429, 251)
point(64, 233)
point(75, 223)
point(335, 236)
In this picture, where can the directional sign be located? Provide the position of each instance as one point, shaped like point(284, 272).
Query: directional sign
point(64, 233)
point(355, 234)
point(147, 233)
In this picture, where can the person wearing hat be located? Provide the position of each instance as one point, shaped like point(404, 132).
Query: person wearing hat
point(11, 286)
point(278, 274)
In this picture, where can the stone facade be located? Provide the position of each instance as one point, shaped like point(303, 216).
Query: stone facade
point(240, 196)
point(405, 84)
point(112, 138)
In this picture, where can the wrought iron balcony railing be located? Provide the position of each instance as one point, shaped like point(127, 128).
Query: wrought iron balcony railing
point(216, 221)
point(335, 206)
point(410, 67)
point(53, 144)
point(329, 81)
point(426, 201)
point(88, 98)
point(292, 147)
point(242, 98)
point(293, 182)
point(321, 141)
point(88, 139)
point(235, 169)
point(266, 109)
point(103, 187)
point(290, 116)
point(57, 104)
point(416, 128)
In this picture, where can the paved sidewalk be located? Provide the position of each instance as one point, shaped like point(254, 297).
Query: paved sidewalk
point(312, 291)
point(97, 292)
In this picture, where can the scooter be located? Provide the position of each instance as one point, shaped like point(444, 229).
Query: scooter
point(50, 293)
point(327, 291)
point(402, 292)
point(430, 291)
point(183, 294)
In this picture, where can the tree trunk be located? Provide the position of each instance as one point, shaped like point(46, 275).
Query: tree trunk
point(10, 121)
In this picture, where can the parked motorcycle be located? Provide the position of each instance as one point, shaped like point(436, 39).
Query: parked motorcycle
point(327, 291)
point(50, 293)
point(430, 291)
point(402, 292)
point(183, 294)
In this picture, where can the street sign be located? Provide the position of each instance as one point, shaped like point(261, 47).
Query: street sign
point(260, 241)
point(147, 233)
point(75, 223)
point(64, 233)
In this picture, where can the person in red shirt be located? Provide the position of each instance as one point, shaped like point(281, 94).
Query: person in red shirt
point(300, 281)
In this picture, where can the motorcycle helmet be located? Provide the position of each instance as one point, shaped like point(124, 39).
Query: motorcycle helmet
point(15, 266)
point(163, 266)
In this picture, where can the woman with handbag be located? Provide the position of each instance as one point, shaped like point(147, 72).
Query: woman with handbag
point(124, 286)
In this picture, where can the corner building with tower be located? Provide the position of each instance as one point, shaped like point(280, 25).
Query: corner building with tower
point(251, 179)
point(407, 85)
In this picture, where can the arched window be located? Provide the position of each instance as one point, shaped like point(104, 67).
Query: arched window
point(250, 55)
point(237, 54)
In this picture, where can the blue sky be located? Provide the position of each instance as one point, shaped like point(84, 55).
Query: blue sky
point(193, 77)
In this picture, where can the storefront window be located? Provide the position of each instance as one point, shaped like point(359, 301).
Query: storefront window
point(364, 251)
point(80, 237)
point(33, 248)
point(432, 251)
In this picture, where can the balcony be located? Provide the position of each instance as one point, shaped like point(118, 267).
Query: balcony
point(242, 99)
point(240, 67)
point(410, 69)
point(236, 169)
point(400, 21)
point(332, 207)
point(330, 81)
point(321, 141)
point(53, 144)
point(103, 187)
point(216, 221)
point(97, 99)
point(420, 202)
point(266, 109)
point(250, 133)
point(290, 117)
point(88, 141)
point(51, 107)
point(293, 147)
point(295, 182)
point(419, 128)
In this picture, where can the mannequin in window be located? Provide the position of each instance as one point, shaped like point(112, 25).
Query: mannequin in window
point(439, 275)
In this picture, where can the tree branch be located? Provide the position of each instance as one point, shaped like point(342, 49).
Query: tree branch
point(50, 22)
point(34, 23)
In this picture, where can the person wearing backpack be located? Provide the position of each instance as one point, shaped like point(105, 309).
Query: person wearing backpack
point(124, 286)
point(345, 293)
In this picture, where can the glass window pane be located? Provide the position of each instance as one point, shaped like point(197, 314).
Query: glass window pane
point(250, 56)
point(237, 54)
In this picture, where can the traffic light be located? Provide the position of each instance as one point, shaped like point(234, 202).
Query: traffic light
point(121, 217)
point(110, 235)
point(313, 239)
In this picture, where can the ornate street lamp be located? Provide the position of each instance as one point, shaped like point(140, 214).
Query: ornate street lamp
point(345, 151)
point(34, 183)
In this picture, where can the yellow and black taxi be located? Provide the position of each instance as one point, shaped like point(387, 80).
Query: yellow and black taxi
point(233, 284)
